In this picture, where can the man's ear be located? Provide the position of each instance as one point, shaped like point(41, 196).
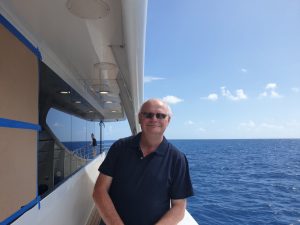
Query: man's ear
point(140, 118)
point(169, 119)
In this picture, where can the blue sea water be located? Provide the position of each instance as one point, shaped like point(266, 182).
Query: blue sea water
point(241, 181)
point(244, 181)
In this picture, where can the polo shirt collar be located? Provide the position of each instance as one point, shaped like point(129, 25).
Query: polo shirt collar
point(161, 149)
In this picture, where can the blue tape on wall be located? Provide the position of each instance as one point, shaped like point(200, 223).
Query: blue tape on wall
point(21, 211)
point(18, 124)
point(20, 36)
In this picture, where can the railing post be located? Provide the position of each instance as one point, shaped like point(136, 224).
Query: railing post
point(101, 124)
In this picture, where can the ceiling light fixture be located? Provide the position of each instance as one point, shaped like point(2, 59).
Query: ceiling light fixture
point(65, 92)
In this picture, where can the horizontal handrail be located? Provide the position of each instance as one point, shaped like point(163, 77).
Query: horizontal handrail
point(86, 152)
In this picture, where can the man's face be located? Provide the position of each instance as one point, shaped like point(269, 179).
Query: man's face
point(148, 120)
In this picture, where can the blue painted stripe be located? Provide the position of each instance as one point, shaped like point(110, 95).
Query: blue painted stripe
point(18, 124)
point(21, 211)
point(21, 37)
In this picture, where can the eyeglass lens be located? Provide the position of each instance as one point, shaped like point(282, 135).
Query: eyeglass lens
point(150, 115)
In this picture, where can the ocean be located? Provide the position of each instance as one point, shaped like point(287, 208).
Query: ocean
point(244, 181)
point(241, 182)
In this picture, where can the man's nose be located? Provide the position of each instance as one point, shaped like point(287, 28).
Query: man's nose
point(154, 118)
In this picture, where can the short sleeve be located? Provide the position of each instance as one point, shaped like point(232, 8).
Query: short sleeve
point(109, 164)
point(181, 186)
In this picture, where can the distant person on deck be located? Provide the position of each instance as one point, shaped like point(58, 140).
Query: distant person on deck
point(144, 180)
point(94, 145)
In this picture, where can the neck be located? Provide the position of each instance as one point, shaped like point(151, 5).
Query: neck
point(149, 143)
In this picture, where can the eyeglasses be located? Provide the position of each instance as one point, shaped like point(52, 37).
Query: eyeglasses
point(150, 115)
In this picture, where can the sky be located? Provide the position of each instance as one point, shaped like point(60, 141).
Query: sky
point(229, 69)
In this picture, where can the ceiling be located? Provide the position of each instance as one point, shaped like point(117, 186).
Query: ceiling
point(91, 45)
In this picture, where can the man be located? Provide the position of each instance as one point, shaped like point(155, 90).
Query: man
point(144, 179)
point(94, 145)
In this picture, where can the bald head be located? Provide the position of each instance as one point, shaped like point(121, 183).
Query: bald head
point(157, 104)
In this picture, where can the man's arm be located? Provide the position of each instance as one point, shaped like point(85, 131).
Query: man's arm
point(103, 201)
point(175, 214)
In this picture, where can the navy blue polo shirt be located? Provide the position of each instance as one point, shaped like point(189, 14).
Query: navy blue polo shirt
point(142, 187)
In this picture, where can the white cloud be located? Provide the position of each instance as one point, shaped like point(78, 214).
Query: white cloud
point(172, 99)
point(295, 89)
point(270, 91)
point(249, 124)
point(263, 94)
point(244, 70)
point(56, 124)
point(212, 97)
point(189, 122)
point(292, 123)
point(148, 79)
point(271, 86)
point(274, 94)
point(271, 126)
point(240, 95)
point(201, 129)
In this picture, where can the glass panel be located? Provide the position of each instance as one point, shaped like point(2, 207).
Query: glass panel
point(61, 125)
point(75, 137)
point(72, 146)
point(91, 130)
